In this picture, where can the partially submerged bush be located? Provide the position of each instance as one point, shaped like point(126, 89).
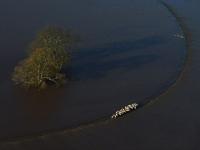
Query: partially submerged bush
point(49, 52)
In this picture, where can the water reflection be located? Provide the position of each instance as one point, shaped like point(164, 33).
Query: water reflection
point(39, 105)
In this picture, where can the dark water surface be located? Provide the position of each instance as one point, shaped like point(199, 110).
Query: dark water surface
point(172, 122)
point(128, 52)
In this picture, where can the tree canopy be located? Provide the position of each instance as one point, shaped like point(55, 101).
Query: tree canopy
point(49, 53)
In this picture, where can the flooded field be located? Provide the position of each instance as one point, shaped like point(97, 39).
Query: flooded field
point(130, 51)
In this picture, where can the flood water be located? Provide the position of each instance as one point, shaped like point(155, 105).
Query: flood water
point(128, 52)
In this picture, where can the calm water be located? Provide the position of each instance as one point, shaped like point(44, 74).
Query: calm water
point(172, 122)
point(128, 52)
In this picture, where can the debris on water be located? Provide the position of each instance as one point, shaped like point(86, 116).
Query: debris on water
point(179, 36)
point(124, 110)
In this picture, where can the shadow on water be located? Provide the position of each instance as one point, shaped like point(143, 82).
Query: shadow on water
point(93, 63)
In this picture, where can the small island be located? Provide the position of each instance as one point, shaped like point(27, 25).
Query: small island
point(48, 54)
